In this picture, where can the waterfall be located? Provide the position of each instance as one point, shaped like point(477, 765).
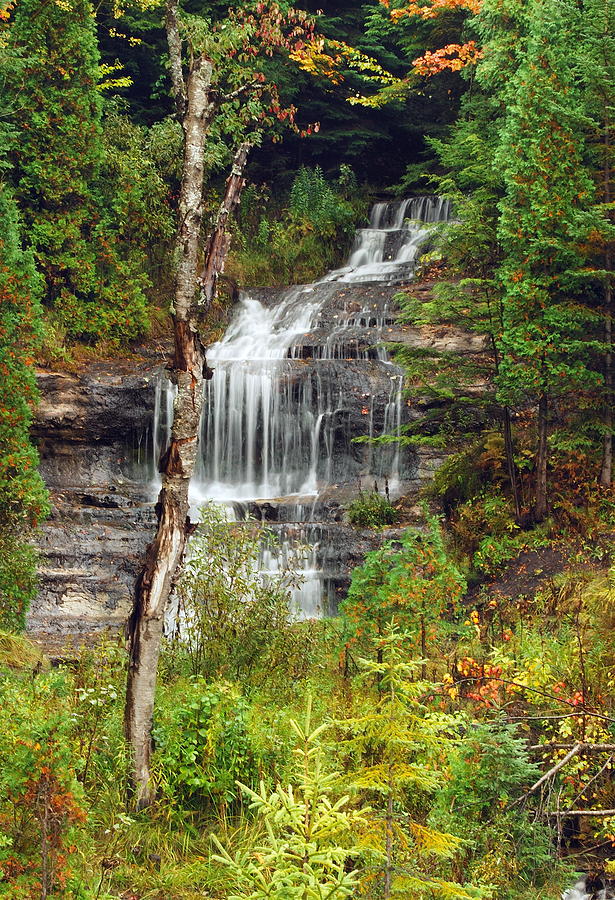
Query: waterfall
point(387, 251)
point(277, 410)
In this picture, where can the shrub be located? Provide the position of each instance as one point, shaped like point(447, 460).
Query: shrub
point(207, 741)
point(488, 769)
point(372, 511)
point(411, 582)
point(40, 800)
point(230, 613)
point(485, 530)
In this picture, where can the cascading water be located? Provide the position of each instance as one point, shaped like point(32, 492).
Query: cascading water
point(387, 250)
point(278, 406)
point(589, 889)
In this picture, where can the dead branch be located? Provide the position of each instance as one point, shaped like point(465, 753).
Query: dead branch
point(553, 771)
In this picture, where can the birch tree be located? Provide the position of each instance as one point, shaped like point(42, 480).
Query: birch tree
point(216, 80)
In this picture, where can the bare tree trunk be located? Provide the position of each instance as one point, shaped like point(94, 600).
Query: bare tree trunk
point(606, 471)
point(509, 450)
point(509, 445)
point(165, 552)
point(540, 508)
point(192, 295)
point(219, 240)
point(388, 866)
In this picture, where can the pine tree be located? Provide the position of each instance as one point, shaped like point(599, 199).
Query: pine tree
point(390, 749)
point(307, 838)
point(23, 498)
point(595, 64)
point(89, 280)
point(544, 220)
point(410, 582)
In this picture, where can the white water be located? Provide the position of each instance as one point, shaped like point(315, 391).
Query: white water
point(370, 260)
point(271, 420)
point(580, 892)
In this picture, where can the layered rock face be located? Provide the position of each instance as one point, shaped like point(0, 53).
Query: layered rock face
point(94, 436)
point(300, 375)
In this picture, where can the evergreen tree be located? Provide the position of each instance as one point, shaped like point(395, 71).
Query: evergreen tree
point(307, 839)
point(409, 582)
point(595, 64)
point(23, 499)
point(90, 281)
point(544, 220)
point(391, 749)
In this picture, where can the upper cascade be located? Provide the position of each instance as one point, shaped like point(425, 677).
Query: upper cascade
point(269, 428)
point(388, 249)
point(299, 375)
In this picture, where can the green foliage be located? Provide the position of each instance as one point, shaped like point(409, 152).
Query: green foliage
point(23, 498)
point(207, 740)
point(313, 202)
point(301, 242)
point(230, 614)
point(134, 185)
point(410, 582)
point(463, 475)
point(487, 770)
point(308, 834)
point(485, 531)
point(40, 799)
point(545, 217)
point(391, 751)
point(372, 510)
point(93, 282)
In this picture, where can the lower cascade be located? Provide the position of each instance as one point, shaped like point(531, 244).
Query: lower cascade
point(300, 373)
point(590, 888)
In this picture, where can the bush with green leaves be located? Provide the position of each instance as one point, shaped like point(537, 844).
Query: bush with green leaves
point(41, 802)
point(314, 202)
point(230, 613)
point(299, 243)
point(372, 510)
point(485, 530)
point(392, 751)
point(208, 738)
point(80, 236)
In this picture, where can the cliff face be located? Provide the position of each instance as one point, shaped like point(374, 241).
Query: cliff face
point(92, 431)
point(97, 433)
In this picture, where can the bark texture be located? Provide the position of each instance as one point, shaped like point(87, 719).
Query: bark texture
point(540, 508)
point(165, 553)
point(606, 470)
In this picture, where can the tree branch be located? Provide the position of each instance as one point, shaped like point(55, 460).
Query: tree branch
point(219, 99)
point(219, 239)
point(586, 748)
point(583, 812)
point(553, 771)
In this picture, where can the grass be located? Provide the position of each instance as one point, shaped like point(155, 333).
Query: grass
point(17, 652)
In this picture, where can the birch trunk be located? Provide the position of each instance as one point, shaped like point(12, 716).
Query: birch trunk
point(165, 553)
point(193, 293)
